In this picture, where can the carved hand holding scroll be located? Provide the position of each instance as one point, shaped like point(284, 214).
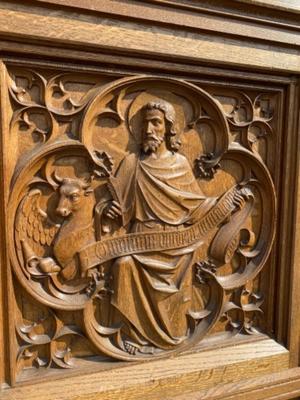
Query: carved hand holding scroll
point(147, 221)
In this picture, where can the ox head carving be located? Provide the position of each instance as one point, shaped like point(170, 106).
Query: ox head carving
point(72, 195)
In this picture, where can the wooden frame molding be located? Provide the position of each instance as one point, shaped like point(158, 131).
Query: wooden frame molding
point(282, 385)
point(240, 55)
point(251, 359)
point(98, 32)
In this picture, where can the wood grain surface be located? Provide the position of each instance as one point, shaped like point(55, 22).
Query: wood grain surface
point(158, 379)
point(102, 33)
point(237, 50)
point(203, 20)
point(280, 385)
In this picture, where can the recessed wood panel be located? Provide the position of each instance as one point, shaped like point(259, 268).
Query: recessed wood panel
point(149, 199)
point(79, 215)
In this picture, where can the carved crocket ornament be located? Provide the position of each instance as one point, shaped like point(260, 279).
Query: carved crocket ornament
point(140, 234)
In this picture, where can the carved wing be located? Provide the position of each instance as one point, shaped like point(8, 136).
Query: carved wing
point(34, 228)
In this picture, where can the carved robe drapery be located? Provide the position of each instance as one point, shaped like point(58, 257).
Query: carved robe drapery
point(152, 292)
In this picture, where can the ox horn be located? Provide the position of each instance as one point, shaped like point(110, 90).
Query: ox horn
point(57, 178)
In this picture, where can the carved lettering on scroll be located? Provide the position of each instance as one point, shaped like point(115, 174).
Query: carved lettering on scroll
point(144, 219)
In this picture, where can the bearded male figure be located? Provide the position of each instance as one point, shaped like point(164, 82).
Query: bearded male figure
point(155, 191)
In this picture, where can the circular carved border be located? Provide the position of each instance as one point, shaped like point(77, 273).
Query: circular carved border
point(40, 289)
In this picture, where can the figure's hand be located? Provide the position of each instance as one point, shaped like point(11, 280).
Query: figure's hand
point(241, 196)
point(113, 210)
point(46, 265)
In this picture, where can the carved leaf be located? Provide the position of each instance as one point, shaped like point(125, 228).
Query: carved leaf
point(27, 87)
point(68, 94)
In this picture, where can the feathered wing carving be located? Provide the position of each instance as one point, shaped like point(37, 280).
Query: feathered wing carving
point(35, 231)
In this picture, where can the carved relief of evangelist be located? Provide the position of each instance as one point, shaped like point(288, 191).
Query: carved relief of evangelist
point(137, 250)
point(154, 191)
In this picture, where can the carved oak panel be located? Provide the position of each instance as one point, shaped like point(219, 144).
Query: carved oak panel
point(141, 211)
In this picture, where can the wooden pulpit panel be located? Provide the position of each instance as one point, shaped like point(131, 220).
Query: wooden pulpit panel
point(148, 232)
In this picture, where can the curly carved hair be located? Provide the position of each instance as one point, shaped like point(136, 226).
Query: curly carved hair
point(172, 140)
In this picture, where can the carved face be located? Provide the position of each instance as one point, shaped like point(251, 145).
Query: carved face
point(72, 195)
point(154, 129)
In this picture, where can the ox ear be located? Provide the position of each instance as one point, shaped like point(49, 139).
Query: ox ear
point(88, 191)
point(86, 185)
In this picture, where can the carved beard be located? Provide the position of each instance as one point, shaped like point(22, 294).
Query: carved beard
point(152, 143)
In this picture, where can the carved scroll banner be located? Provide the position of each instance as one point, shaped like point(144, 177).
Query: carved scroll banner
point(133, 211)
point(142, 242)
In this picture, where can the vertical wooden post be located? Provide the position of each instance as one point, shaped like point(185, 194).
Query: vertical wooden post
point(7, 333)
point(294, 244)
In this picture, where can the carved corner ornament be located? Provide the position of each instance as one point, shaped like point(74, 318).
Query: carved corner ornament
point(131, 221)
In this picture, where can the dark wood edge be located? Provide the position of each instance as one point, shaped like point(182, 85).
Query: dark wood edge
point(294, 292)
point(3, 280)
point(287, 324)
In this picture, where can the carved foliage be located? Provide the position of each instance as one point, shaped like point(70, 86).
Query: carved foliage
point(242, 311)
point(251, 119)
point(44, 108)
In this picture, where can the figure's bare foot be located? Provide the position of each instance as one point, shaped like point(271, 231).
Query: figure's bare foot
point(131, 347)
